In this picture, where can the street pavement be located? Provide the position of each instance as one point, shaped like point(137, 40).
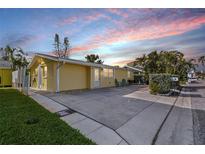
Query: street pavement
point(198, 110)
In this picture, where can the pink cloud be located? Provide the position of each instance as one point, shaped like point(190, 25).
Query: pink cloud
point(68, 20)
point(85, 18)
point(154, 30)
point(121, 62)
point(118, 12)
point(96, 16)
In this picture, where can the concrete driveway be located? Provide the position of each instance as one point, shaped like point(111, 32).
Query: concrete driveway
point(130, 111)
point(107, 106)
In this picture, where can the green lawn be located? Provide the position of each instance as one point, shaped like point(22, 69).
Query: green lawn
point(16, 109)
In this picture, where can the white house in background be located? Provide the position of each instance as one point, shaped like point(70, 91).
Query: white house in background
point(191, 76)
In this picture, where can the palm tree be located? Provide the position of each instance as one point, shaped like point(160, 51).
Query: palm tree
point(93, 59)
point(66, 44)
point(16, 56)
point(202, 60)
point(10, 54)
point(61, 50)
point(57, 45)
point(141, 60)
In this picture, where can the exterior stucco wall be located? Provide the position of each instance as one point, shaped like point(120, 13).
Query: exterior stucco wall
point(123, 74)
point(6, 77)
point(51, 76)
point(74, 77)
point(91, 75)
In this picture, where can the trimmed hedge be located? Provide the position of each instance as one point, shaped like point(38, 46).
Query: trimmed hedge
point(159, 83)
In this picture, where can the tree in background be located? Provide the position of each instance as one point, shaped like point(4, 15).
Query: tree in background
point(92, 58)
point(61, 50)
point(202, 60)
point(171, 62)
point(16, 56)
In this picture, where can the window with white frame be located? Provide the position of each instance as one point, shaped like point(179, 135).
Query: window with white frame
point(107, 73)
point(97, 74)
point(128, 74)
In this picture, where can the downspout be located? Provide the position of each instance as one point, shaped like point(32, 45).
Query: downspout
point(58, 76)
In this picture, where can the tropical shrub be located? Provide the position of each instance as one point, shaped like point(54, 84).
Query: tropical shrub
point(154, 88)
point(159, 83)
point(117, 84)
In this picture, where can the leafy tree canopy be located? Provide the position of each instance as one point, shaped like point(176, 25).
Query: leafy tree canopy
point(171, 62)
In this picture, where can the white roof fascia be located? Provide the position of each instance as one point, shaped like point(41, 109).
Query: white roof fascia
point(136, 69)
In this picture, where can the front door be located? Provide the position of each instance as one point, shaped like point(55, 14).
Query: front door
point(42, 77)
point(96, 78)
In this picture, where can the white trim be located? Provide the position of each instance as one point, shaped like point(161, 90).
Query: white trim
point(69, 61)
point(134, 68)
point(96, 83)
point(58, 78)
point(6, 68)
point(39, 77)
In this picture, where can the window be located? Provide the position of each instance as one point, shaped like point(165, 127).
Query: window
point(97, 77)
point(105, 72)
point(108, 73)
point(128, 74)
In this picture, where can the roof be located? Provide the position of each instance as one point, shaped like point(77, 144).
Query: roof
point(5, 64)
point(135, 68)
point(68, 60)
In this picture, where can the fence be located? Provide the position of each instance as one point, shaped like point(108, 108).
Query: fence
point(21, 80)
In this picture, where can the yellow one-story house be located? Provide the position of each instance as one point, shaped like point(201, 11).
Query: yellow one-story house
point(5, 74)
point(55, 74)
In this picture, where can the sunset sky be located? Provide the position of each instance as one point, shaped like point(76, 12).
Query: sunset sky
point(116, 35)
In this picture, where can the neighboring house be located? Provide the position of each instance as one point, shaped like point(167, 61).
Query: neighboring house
point(191, 74)
point(136, 69)
point(5, 73)
point(138, 73)
point(73, 74)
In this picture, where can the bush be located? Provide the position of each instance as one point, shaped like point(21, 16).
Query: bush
point(154, 88)
point(117, 84)
point(159, 83)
